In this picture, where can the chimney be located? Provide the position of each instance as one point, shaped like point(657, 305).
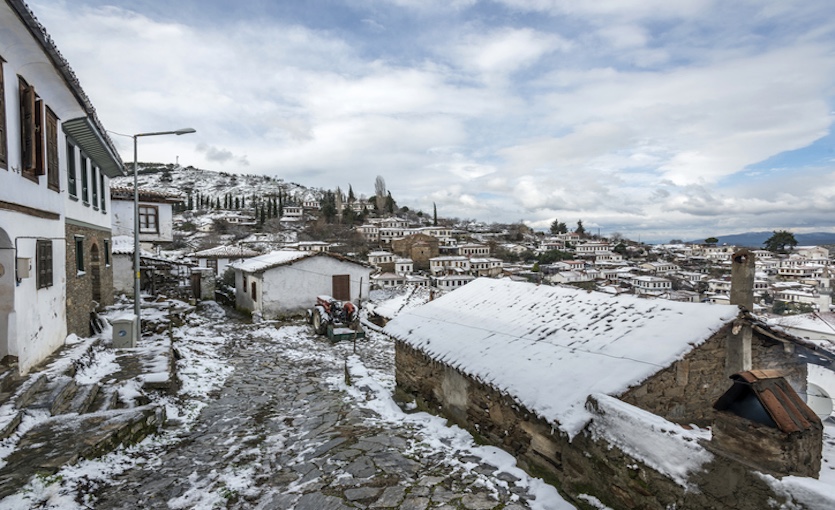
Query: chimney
point(738, 352)
point(742, 279)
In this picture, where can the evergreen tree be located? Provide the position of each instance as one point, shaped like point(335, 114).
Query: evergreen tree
point(391, 205)
point(351, 197)
point(237, 203)
point(434, 214)
point(190, 202)
point(263, 216)
point(580, 230)
point(779, 240)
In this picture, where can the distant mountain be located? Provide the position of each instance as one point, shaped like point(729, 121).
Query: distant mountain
point(756, 239)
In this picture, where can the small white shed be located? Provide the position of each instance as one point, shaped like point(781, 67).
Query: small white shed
point(286, 282)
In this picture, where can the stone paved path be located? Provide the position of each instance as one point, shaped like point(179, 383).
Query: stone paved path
point(282, 435)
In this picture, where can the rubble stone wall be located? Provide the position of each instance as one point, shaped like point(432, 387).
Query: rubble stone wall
point(582, 466)
point(685, 391)
point(80, 302)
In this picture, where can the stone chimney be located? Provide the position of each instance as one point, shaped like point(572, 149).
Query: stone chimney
point(742, 279)
point(738, 352)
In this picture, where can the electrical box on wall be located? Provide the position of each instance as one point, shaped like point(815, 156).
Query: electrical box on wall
point(24, 267)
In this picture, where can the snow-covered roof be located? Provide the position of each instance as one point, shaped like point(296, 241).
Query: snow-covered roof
point(284, 257)
point(225, 251)
point(272, 259)
point(121, 245)
point(551, 347)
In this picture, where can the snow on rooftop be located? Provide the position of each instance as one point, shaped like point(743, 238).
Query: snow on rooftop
point(122, 244)
point(272, 259)
point(551, 347)
point(226, 251)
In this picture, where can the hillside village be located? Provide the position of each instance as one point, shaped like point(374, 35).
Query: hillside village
point(625, 375)
point(234, 217)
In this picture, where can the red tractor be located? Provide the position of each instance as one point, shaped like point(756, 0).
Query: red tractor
point(336, 319)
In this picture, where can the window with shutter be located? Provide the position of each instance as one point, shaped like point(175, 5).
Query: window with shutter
point(27, 130)
point(43, 251)
point(52, 150)
point(40, 166)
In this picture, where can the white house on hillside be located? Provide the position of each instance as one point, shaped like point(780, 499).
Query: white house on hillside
point(56, 161)
point(156, 215)
point(286, 282)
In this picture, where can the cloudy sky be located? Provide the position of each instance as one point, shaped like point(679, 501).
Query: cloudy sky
point(652, 118)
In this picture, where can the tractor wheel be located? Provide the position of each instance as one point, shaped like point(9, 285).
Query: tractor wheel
point(319, 325)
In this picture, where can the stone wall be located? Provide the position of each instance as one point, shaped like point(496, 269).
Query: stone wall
point(686, 391)
point(80, 286)
point(769, 449)
point(583, 465)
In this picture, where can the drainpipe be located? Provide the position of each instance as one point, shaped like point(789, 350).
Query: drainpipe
point(738, 349)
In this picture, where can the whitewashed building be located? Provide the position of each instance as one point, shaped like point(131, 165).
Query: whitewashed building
point(286, 282)
point(156, 215)
point(56, 162)
point(218, 258)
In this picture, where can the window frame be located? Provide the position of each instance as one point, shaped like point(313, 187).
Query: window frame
point(145, 213)
point(103, 196)
point(94, 200)
point(85, 180)
point(72, 171)
point(79, 255)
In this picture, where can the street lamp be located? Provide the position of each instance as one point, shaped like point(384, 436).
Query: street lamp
point(136, 282)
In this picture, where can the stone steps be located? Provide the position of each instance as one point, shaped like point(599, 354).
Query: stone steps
point(64, 439)
point(69, 417)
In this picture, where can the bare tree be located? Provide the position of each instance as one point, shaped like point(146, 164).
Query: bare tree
point(380, 192)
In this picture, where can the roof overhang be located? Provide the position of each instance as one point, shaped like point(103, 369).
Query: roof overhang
point(90, 140)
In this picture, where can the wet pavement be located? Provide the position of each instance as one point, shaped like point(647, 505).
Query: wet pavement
point(285, 431)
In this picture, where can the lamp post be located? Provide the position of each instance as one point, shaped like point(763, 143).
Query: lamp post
point(137, 275)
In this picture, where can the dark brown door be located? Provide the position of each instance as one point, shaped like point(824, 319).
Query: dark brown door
point(342, 287)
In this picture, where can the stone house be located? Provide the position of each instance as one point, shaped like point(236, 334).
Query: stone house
point(557, 376)
point(286, 282)
point(418, 247)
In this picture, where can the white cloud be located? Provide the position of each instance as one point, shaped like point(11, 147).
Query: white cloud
point(636, 115)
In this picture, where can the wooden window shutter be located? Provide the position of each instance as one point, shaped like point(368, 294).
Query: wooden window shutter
point(4, 147)
point(27, 129)
point(342, 287)
point(40, 166)
point(53, 178)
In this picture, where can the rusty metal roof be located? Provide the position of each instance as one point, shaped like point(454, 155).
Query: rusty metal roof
point(786, 410)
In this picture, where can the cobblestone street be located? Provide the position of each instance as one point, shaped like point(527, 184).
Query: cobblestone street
point(285, 431)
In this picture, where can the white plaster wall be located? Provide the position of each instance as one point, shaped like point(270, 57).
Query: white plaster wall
point(38, 323)
point(122, 221)
point(293, 288)
point(123, 277)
